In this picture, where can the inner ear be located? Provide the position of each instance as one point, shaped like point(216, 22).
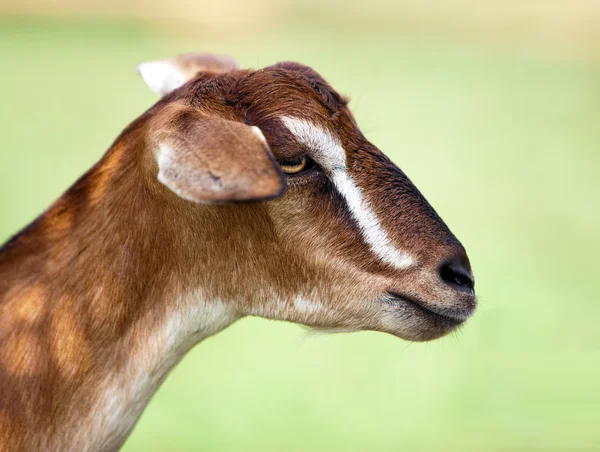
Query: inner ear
point(164, 76)
point(218, 161)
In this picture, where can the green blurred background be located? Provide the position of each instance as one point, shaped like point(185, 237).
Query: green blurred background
point(492, 108)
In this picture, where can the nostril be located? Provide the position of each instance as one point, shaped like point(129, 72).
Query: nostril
point(455, 274)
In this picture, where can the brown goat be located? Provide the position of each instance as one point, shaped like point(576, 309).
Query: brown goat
point(240, 192)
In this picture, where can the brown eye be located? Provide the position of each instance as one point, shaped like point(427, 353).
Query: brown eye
point(295, 165)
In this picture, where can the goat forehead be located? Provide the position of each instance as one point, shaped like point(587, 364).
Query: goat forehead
point(271, 92)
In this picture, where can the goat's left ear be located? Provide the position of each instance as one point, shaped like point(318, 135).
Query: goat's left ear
point(163, 76)
point(212, 161)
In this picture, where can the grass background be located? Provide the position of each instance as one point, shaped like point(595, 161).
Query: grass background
point(501, 138)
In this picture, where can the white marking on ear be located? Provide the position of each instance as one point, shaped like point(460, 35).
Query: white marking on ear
point(165, 160)
point(256, 131)
point(330, 154)
point(161, 76)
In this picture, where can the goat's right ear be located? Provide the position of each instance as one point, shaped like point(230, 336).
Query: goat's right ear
point(217, 161)
point(163, 76)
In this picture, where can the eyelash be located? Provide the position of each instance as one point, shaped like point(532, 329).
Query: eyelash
point(296, 166)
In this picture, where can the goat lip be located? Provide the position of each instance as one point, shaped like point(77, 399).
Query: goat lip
point(396, 299)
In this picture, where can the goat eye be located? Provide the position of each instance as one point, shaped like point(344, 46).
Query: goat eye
point(295, 165)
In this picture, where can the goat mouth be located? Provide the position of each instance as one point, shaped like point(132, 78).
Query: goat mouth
point(452, 318)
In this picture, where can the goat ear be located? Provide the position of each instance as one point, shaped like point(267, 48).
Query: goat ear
point(163, 76)
point(218, 161)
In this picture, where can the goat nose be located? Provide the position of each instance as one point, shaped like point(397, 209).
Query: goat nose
point(456, 273)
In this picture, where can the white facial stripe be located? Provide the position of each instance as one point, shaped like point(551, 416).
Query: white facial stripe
point(329, 153)
point(372, 231)
point(325, 147)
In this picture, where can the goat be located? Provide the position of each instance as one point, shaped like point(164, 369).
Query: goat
point(239, 193)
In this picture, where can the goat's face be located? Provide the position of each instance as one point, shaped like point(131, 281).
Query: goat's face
point(346, 241)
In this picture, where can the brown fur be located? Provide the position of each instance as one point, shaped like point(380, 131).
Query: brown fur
point(86, 284)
